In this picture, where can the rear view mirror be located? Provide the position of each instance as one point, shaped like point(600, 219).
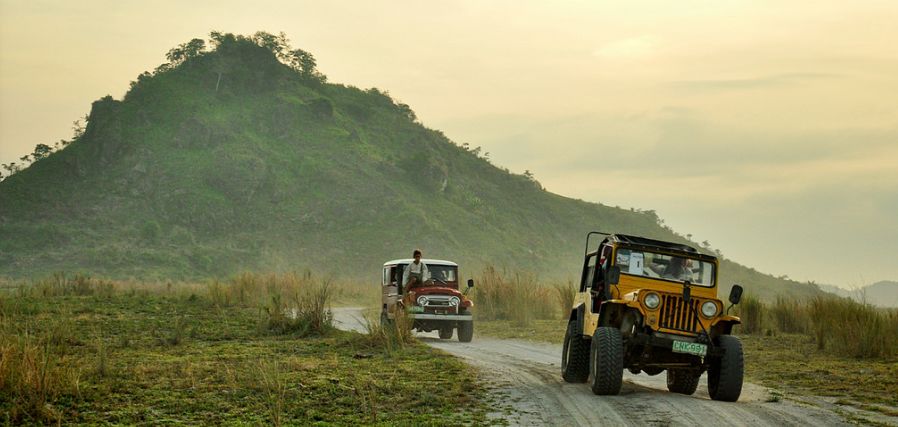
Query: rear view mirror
point(735, 294)
point(470, 283)
point(613, 275)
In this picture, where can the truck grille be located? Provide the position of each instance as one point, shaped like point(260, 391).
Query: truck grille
point(437, 301)
point(675, 314)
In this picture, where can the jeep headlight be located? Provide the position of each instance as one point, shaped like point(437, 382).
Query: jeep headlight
point(652, 301)
point(709, 309)
point(454, 301)
point(422, 300)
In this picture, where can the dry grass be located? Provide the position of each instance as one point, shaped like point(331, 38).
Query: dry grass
point(390, 336)
point(840, 326)
point(518, 297)
point(32, 377)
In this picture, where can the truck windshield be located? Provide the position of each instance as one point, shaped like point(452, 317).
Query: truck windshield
point(667, 267)
point(443, 273)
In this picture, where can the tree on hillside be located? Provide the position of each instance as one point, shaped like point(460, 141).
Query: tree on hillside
point(185, 51)
point(41, 151)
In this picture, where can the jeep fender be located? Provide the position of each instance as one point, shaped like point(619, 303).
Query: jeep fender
point(622, 314)
point(577, 315)
point(723, 325)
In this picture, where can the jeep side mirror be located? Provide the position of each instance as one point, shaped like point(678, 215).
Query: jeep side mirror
point(687, 292)
point(735, 294)
point(613, 275)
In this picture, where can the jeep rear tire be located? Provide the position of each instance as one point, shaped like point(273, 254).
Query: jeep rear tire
point(465, 331)
point(606, 361)
point(574, 355)
point(725, 372)
point(445, 332)
point(683, 381)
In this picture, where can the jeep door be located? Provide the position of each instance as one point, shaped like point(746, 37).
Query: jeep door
point(390, 292)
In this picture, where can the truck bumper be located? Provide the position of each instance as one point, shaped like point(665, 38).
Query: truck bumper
point(455, 317)
point(666, 342)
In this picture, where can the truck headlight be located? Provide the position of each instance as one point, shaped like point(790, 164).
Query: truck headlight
point(709, 309)
point(652, 301)
point(422, 300)
point(454, 301)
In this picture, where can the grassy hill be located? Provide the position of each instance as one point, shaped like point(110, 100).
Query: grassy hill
point(242, 157)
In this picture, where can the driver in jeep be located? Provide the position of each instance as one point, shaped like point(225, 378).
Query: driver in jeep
point(416, 273)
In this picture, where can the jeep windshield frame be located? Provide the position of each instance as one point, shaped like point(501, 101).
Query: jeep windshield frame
point(658, 264)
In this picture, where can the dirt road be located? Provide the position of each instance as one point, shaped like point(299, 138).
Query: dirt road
point(527, 377)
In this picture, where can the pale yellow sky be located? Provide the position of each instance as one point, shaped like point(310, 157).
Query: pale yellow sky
point(769, 128)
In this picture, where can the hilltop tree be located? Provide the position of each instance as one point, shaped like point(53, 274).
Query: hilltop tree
point(185, 51)
point(41, 151)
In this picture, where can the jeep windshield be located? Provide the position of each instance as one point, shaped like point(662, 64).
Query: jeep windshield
point(672, 268)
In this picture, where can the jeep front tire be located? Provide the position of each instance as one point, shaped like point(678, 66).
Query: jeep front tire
point(683, 381)
point(725, 372)
point(574, 355)
point(606, 361)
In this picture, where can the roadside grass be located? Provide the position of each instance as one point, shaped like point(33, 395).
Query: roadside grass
point(791, 363)
point(71, 352)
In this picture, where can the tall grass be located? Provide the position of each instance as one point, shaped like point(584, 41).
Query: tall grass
point(391, 336)
point(566, 292)
point(62, 284)
point(790, 315)
point(840, 326)
point(32, 377)
point(752, 312)
point(846, 327)
point(519, 298)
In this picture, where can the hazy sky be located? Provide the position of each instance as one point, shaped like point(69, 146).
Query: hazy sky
point(769, 128)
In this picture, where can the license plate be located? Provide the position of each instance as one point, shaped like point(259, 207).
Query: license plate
point(416, 309)
point(690, 348)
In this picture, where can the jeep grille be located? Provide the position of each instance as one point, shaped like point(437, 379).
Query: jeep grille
point(675, 314)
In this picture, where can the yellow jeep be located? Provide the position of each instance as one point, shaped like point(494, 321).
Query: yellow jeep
point(651, 306)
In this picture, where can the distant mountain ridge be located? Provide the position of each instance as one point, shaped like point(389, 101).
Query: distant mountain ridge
point(243, 157)
point(882, 294)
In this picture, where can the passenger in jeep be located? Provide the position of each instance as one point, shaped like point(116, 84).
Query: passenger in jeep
point(416, 273)
point(679, 269)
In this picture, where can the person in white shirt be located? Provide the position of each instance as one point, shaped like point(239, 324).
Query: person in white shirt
point(416, 273)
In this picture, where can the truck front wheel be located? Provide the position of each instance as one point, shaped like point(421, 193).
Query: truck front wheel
point(465, 331)
point(606, 361)
point(445, 332)
point(725, 372)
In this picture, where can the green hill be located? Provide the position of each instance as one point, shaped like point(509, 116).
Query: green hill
point(242, 157)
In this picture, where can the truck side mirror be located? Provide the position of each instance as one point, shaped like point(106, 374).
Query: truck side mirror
point(735, 294)
point(470, 285)
point(613, 275)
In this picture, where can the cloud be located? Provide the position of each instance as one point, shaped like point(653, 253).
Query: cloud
point(771, 81)
point(628, 49)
